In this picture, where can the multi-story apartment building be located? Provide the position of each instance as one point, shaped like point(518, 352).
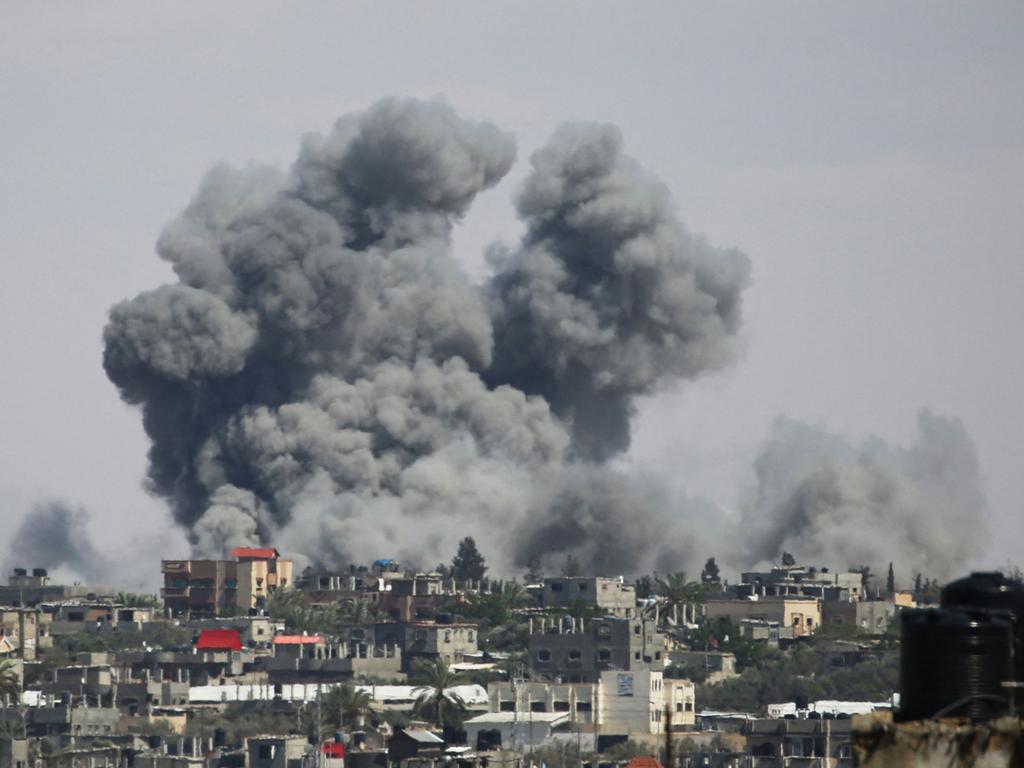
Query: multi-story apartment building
point(581, 652)
point(204, 588)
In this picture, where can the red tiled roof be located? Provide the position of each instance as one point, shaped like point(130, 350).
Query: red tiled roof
point(643, 761)
point(255, 553)
point(219, 640)
point(298, 640)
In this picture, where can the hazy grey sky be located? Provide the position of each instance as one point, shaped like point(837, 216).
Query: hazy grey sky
point(867, 157)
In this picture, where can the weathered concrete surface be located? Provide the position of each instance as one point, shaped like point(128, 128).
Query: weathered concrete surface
point(878, 742)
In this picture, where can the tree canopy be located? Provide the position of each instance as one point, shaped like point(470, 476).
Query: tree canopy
point(468, 564)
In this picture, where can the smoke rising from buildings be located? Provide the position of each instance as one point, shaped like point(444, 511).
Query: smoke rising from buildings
point(324, 376)
point(55, 535)
point(608, 297)
point(831, 501)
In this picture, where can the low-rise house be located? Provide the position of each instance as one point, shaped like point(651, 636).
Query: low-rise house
point(428, 640)
point(197, 667)
point(714, 666)
point(276, 751)
point(869, 615)
point(613, 596)
point(67, 720)
point(618, 703)
point(253, 631)
point(813, 743)
point(511, 730)
point(300, 658)
point(414, 743)
point(801, 615)
point(29, 590)
point(763, 631)
point(800, 581)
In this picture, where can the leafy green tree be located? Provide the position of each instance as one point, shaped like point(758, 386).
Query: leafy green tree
point(890, 581)
point(10, 683)
point(710, 574)
point(468, 564)
point(534, 574)
point(788, 560)
point(434, 700)
point(136, 600)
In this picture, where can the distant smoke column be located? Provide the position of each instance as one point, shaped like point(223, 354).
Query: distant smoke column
point(326, 273)
point(833, 502)
point(608, 296)
point(324, 377)
point(55, 535)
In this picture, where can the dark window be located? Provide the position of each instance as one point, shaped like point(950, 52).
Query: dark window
point(543, 655)
point(604, 654)
point(560, 706)
point(583, 706)
point(537, 706)
point(265, 751)
point(556, 586)
point(636, 655)
point(582, 586)
point(636, 629)
point(575, 655)
point(507, 706)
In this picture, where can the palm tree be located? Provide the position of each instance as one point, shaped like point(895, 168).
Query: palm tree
point(345, 704)
point(10, 683)
point(515, 595)
point(676, 592)
point(433, 694)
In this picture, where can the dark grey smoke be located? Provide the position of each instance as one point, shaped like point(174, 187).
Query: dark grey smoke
point(833, 502)
point(324, 377)
point(54, 535)
point(608, 297)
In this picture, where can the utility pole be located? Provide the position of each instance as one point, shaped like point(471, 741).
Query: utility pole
point(668, 735)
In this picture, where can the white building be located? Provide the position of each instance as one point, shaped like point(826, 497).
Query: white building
point(621, 702)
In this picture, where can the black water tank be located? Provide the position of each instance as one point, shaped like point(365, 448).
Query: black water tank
point(953, 663)
point(994, 591)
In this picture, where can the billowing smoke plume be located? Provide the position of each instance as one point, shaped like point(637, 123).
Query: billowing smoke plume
point(54, 535)
point(609, 297)
point(829, 501)
point(324, 377)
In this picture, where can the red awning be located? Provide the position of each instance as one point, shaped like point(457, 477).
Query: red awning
point(219, 640)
